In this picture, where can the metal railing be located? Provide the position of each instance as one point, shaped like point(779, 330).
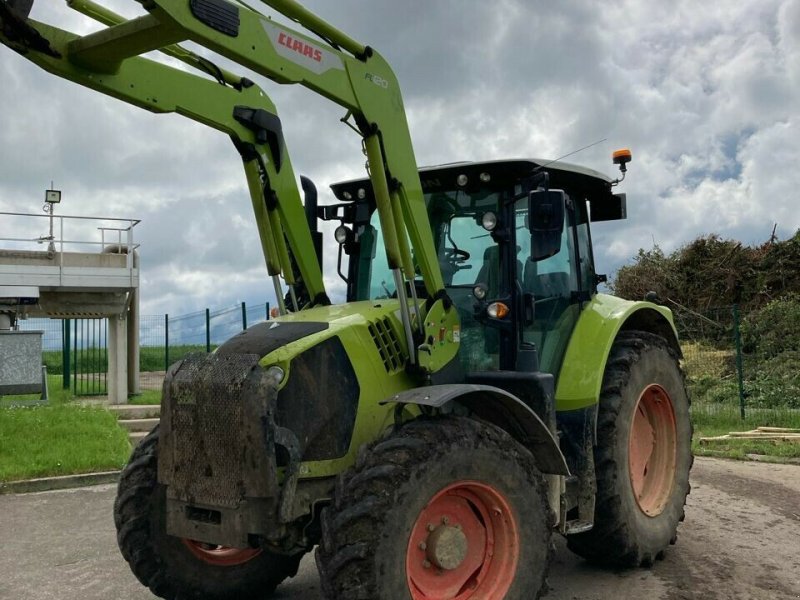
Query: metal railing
point(116, 235)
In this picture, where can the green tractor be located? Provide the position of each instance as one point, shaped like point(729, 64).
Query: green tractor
point(474, 395)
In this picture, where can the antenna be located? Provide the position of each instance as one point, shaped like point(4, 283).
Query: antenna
point(539, 168)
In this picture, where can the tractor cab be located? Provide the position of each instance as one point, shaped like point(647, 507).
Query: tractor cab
point(514, 247)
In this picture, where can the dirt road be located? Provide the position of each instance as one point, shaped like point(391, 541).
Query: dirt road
point(741, 540)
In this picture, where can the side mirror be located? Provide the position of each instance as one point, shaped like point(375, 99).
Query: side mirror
point(546, 222)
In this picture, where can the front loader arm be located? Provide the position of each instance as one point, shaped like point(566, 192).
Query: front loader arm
point(338, 68)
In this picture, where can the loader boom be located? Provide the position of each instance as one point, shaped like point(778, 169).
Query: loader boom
point(335, 66)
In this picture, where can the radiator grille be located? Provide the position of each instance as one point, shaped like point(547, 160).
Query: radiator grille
point(388, 344)
point(207, 422)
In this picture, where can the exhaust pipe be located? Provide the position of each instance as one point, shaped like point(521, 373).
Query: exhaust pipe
point(310, 192)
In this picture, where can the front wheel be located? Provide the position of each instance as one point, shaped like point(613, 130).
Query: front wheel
point(444, 508)
point(643, 455)
point(176, 568)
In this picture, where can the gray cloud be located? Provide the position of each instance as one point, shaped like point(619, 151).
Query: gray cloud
point(704, 94)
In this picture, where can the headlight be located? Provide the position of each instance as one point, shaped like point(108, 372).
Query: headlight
point(489, 221)
point(276, 374)
point(342, 234)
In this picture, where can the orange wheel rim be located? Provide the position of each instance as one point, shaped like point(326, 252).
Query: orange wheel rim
point(652, 450)
point(221, 556)
point(464, 545)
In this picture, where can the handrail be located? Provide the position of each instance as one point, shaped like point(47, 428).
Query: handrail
point(123, 239)
point(134, 222)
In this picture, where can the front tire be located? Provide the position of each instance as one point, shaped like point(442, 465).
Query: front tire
point(643, 455)
point(175, 568)
point(443, 508)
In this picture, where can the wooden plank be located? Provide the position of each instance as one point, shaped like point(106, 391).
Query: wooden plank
point(759, 435)
point(778, 430)
point(774, 437)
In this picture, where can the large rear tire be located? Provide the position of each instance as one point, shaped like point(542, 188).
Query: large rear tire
point(643, 455)
point(443, 508)
point(175, 568)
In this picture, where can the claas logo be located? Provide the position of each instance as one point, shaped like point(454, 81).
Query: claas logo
point(300, 47)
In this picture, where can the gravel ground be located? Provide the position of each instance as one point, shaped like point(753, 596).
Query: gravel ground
point(741, 539)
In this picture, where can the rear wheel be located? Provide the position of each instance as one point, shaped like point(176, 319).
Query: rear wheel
point(443, 509)
point(643, 455)
point(178, 568)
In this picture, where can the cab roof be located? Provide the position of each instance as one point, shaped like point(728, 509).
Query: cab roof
point(574, 178)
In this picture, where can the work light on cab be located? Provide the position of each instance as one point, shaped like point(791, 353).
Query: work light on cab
point(342, 234)
point(489, 221)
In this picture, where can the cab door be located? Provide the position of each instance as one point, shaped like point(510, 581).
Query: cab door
point(555, 285)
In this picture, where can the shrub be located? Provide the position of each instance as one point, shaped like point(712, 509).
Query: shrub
point(774, 329)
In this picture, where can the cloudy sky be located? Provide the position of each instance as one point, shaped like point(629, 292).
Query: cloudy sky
point(706, 94)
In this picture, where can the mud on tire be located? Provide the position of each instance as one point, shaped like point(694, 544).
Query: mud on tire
point(381, 506)
point(624, 534)
point(165, 564)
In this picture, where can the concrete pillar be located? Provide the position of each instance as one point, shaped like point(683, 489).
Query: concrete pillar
point(117, 360)
point(133, 342)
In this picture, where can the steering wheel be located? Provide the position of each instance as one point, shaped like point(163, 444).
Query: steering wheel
point(456, 254)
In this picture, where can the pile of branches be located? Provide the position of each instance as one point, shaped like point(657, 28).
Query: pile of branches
point(714, 272)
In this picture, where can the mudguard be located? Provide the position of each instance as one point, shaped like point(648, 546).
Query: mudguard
point(498, 407)
point(581, 375)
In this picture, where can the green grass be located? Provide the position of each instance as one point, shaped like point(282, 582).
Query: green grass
point(59, 439)
point(146, 397)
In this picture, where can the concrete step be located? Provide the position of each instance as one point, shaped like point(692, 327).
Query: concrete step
point(135, 411)
point(135, 425)
point(134, 437)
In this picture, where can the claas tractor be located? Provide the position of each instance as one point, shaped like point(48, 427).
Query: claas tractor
point(472, 396)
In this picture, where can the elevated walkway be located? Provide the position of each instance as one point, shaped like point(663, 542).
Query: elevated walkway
point(87, 267)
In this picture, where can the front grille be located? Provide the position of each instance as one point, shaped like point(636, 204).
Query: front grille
point(207, 413)
point(388, 345)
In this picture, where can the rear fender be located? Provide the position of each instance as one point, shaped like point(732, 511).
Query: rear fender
point(499, 408)
point(581, 374)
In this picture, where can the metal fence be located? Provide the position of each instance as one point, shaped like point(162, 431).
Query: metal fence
point(727, 374)
point(166, 339)
point(76, 349)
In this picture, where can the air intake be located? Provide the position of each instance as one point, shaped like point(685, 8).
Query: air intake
point(389, 347)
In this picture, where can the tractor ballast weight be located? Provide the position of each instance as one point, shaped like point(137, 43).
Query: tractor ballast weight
point(475, 386)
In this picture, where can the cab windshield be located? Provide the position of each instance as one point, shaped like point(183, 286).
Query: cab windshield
point(467, 255)
point(463, 246)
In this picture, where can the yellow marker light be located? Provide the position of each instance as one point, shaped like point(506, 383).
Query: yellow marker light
point(498, 310)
